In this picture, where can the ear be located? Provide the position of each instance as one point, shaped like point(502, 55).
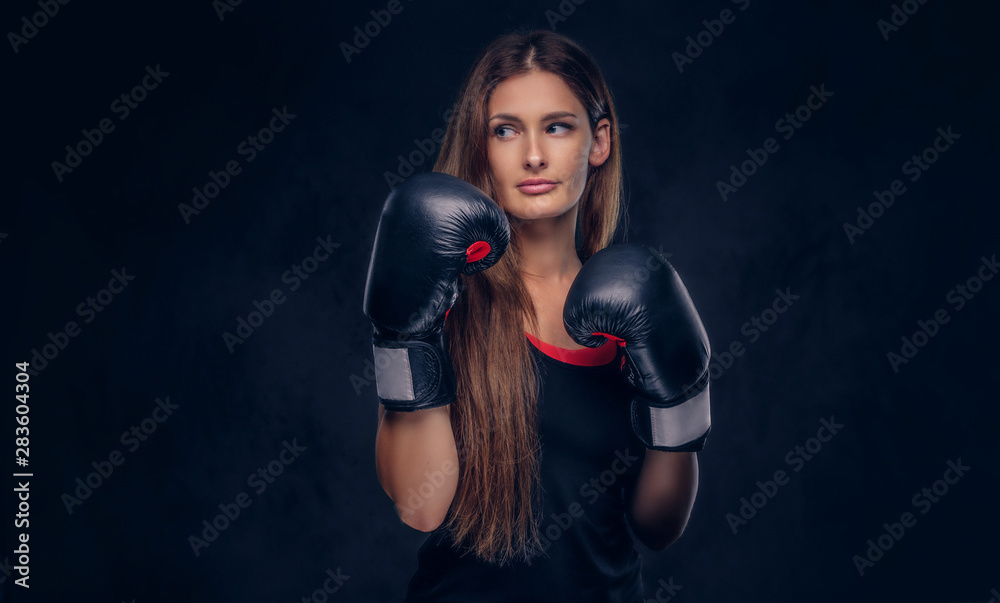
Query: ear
point(601, 148)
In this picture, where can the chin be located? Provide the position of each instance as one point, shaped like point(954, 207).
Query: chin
point(535, 207)
point(537, 213)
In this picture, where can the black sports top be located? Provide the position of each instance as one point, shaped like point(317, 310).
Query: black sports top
point(589, 454)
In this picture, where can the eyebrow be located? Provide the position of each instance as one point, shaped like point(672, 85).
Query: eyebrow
point(514, 118)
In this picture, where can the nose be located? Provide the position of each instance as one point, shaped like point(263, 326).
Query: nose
point(534, 157)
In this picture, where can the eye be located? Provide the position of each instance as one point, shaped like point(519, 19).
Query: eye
point(561, 125)
point(498, 129)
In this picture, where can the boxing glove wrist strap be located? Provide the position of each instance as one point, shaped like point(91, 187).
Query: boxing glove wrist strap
point(412, 375)
point(680, 427)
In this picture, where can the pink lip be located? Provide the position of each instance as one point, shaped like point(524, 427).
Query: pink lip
point(535, 186)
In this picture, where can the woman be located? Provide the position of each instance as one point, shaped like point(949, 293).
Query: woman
point(527, 472)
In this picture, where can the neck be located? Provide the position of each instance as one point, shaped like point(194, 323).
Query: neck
point(548, 249)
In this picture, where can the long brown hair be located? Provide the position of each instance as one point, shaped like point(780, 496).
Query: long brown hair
point(494, 417)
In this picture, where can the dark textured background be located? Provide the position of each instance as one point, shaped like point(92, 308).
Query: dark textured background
point(325, 175)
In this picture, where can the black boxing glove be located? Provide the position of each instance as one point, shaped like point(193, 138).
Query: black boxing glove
point(666, 349)
point(433, 227)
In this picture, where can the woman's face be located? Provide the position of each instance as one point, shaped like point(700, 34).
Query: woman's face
point(539, 132)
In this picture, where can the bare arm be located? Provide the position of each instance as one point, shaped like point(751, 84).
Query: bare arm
point(433, 228)
point(659, 503)
point(416, 461)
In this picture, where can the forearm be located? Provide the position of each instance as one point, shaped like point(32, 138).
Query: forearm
point(416, 461)
point(663, 496)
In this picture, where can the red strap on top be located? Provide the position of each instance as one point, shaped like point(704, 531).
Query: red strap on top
point(477, 251)
point(602, 354)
